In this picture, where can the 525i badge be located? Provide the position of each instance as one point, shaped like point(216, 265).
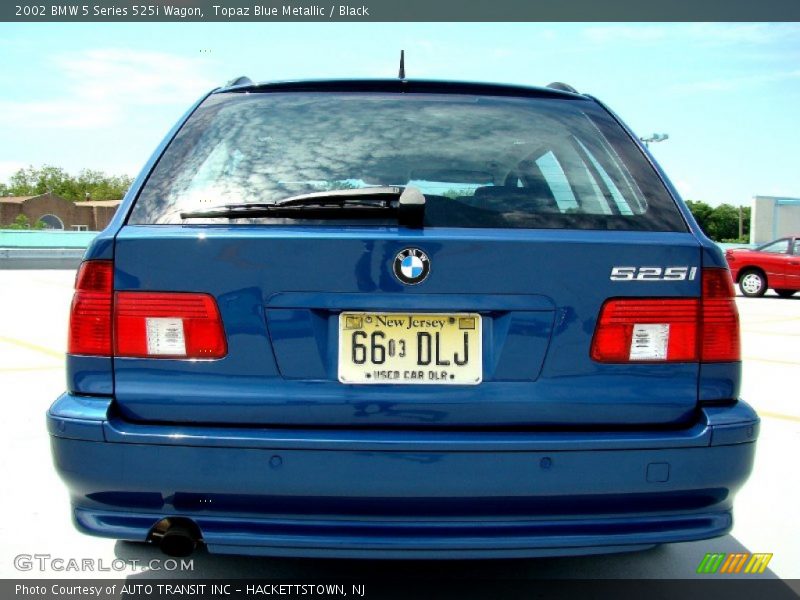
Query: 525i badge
point(653, 273)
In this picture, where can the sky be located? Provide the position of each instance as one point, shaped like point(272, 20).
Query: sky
point(102, 96)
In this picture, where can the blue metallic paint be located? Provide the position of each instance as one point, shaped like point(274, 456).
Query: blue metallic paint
point(543, 488)
point(716, 381)
point(534, 279)
point(474, 494)
point(91, 374)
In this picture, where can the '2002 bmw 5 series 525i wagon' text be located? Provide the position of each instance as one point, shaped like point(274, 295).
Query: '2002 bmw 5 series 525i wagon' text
point(402, 318)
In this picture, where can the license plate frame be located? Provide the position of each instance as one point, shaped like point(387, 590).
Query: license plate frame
point(460, 337)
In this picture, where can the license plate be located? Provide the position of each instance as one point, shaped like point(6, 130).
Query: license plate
point(421, 348)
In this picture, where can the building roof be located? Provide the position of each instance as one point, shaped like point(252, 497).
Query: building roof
point(17, 199)
point(111, 203)
point(90, 203)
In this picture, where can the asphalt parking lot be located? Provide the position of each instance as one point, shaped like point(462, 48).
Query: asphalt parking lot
point(34, 307)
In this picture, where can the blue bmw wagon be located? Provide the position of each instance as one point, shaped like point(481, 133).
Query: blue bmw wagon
point(402, 318)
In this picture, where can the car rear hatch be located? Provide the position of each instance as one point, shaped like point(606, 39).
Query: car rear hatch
point(280, 293)
point(539, 210)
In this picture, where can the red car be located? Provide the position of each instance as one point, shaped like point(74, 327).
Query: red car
point(775, 265)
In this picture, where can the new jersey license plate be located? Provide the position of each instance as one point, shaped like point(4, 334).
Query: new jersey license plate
point(396, 348)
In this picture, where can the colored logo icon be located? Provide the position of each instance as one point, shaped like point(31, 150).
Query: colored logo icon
point(412, 266)
point(735, 562)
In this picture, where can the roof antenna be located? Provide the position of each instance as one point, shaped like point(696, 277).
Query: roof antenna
point(402, 73)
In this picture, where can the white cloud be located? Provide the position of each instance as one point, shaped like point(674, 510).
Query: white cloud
point(65, 113)
point(684, 187)
point(696, 33)
point(134, 77)
point(8, 168)
point(103, 86)
point(733, 83)
point(742, 33)
point(625, 33)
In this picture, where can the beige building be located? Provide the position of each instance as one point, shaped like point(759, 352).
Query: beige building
point(773, 217)
point(57, 212)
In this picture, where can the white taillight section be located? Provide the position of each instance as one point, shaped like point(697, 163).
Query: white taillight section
point(649, 341)
point(167, 325)
point(704, 329)
point(165, 336)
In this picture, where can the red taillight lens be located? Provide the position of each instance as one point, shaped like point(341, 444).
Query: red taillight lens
point(90, 317)
point(146, 324)
point(167, 325)
point(671, 329)
point(647, 330)
point(720, 318)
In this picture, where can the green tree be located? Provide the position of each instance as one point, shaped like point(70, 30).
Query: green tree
point(336, 184)
point(701, 213)
point(724, 222)
point(454, 193)
point(721, 223)
point(21, 222)
point(33, 181)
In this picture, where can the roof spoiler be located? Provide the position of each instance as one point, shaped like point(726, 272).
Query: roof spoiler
point(241, 80)
point(562, 87)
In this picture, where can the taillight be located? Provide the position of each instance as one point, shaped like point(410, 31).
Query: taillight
point(90, 316)
point(647, 329)
point(702, 329)
point(720, 318)
point(141, 324)
point(167, 325)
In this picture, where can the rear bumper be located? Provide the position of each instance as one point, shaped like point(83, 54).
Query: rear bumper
point(404, 494)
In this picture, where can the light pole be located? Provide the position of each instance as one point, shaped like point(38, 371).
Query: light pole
point(656, 137)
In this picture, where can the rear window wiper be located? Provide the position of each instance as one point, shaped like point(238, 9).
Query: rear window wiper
point(407, 203)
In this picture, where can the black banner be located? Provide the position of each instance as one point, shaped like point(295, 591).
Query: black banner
point(397, 10)
point(718, 588)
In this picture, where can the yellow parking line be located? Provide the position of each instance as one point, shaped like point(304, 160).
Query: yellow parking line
point(29, 346)
point(771, 320)
point(772, 415)
point(771, 360)
point(780, 333)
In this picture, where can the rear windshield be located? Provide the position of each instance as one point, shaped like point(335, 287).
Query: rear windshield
point(480, 161)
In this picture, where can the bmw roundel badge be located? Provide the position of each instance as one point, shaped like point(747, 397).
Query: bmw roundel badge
point(412, 266)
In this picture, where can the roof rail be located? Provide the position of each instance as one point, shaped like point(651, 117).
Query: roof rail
point(562, 87)
point(241, 80)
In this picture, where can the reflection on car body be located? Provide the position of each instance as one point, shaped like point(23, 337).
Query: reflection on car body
point(403, 318)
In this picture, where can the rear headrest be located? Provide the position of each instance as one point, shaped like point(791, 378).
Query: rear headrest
point(516, 198)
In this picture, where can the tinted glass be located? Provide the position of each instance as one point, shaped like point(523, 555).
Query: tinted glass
point(779, 247)
point(481, 161)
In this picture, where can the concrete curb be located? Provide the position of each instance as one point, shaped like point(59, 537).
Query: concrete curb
point(40, 258)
